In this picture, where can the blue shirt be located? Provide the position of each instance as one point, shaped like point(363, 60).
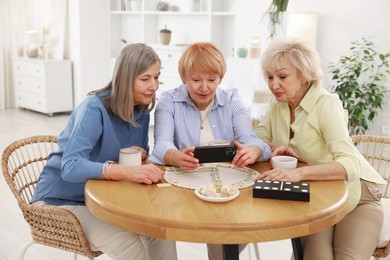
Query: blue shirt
point(177, 122)
point(91, 137)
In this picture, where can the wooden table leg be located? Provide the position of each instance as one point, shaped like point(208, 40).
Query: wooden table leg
point(230, 252)
point(297, 248)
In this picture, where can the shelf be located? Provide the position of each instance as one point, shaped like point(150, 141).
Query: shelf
point(126, 12)
point(208, 24)
point(223, 14)
point(175, 13)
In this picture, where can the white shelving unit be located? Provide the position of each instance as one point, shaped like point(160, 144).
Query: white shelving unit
point(215, 22)
point(208, 24)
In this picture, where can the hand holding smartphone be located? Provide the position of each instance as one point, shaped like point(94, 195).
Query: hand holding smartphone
point(220, 153)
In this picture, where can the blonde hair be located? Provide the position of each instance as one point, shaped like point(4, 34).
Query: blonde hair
point(299, 55)
point(203, 57)
point(133, 60)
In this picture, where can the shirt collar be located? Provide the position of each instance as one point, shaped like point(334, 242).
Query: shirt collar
point(310, 99)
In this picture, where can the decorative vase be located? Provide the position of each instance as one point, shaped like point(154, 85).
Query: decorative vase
point(195, 5)
point(165, 36)
point(254, 50)
point(162, 6)
point(242, 52)
point(32, 50)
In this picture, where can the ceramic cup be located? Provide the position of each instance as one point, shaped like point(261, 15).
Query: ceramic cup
point(219, 142)
point(284, 162)
point(130, 156)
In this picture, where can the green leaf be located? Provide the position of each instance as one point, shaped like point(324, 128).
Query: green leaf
point(359, 79)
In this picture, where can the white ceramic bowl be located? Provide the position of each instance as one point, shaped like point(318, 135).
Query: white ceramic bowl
point(284, 162)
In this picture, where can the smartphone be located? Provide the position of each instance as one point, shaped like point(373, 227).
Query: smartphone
point(220, 153)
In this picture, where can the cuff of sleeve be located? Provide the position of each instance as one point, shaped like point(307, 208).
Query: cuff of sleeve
point(265, 152)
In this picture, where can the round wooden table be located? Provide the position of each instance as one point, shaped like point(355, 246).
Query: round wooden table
point(174, 213)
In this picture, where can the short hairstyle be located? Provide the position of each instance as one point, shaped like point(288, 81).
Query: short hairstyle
point(299, 55)
point(202, 57)
point(133, 60)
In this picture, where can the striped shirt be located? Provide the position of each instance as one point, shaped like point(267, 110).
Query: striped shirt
point(177, 122)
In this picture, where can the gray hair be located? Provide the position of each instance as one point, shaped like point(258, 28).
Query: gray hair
point(133, 60)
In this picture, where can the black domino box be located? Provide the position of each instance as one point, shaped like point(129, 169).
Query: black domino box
point(281, 190)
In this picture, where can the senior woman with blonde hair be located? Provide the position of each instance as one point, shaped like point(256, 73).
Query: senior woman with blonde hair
point(199, 112)
point(306, 121)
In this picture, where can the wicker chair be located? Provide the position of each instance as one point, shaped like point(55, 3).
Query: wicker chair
point(377, 151)
point(22, 163)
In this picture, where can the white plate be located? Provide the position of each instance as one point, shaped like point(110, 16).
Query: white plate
point(218, 198)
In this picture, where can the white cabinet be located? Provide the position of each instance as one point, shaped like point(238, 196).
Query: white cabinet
point(43, 85)
point(169, 77)
point(214, 21)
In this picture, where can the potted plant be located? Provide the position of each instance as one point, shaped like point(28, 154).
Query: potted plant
point(274, 12)
point(359, 80)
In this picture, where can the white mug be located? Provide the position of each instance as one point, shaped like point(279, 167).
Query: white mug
point(284, 162)
point(219, 142)
point(130, 156)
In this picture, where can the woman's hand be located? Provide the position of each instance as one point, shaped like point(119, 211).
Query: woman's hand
point(280, 149)
point(143, 151)
point(280, 175)
point(148, 174)
point(246, 154)
point(185, 159)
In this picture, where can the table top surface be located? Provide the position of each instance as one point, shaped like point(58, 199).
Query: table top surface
point(175, 213)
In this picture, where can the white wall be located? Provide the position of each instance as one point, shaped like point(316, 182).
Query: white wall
point(88, 45)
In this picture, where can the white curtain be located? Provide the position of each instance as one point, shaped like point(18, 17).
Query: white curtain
point(52, 20)
point(17, 16)
point(10, 37)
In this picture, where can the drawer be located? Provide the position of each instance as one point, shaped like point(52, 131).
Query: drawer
point(31, 69)
point(172, 67)
point(166, 77)
point(30, 84)
point(31, 101)
point(169, 55)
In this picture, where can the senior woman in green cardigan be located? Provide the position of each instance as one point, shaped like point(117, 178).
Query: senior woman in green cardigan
point(307, 122)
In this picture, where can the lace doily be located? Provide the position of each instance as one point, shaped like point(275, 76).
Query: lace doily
point(224, 173)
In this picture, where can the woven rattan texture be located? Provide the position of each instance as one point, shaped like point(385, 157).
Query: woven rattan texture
point(22, 163)
point(376, 150)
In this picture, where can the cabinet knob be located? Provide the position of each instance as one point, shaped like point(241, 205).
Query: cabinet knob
point(161, 83)
point(169, 56)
